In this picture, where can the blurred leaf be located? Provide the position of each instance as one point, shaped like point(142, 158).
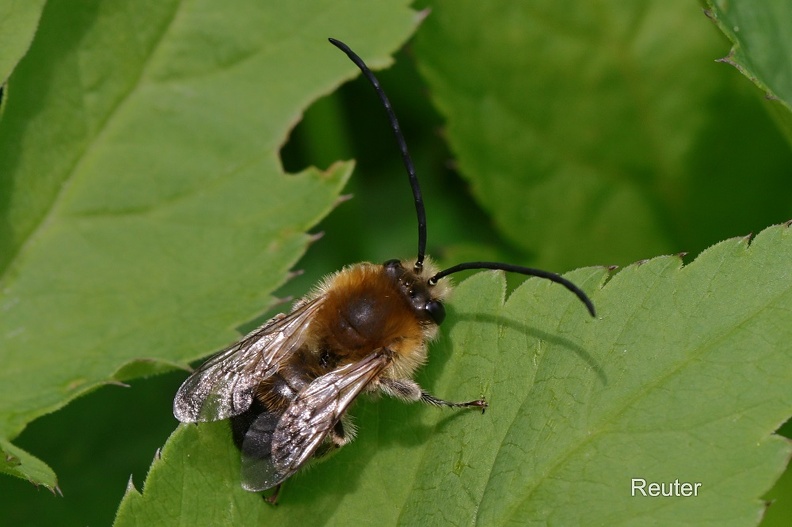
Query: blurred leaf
point(780, 502)
point(762, 47)
point(683, 375)
point(18, 21)
point(95, 444)
point(145, 212)
point(594, 133)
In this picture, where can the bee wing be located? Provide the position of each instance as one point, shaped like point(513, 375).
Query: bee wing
point(224, 385)
point(275, 448)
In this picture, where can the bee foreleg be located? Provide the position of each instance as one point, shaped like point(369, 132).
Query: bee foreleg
point(409, 390)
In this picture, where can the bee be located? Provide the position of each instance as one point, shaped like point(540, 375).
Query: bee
point(287, 385)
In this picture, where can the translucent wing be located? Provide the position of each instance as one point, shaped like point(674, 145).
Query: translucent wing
point(274, 448)
point(224, 385)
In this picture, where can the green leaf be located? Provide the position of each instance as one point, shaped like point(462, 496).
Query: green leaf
point(145, 211)
point(17, 462)
point(181, 481)
point(683, 375)
point(762, 48)
point(596, 133)
point(780, 509)
point(18, 21)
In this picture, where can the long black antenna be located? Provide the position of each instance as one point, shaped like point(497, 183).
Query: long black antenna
point(522, 270)
point(419, 206)
point(408, 164)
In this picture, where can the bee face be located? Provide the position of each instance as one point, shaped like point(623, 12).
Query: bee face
point(287, 385)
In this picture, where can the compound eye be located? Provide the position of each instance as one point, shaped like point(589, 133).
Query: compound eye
point(393, 268)
point(436, 311)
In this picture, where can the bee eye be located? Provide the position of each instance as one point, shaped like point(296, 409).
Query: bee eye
point(392, 263)
point(436, 311)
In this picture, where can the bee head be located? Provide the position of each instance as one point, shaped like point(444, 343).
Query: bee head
point(422, 296)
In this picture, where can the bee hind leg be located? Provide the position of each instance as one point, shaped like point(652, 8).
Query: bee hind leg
point(409, 390)
point(272, 499)
point(341, 434)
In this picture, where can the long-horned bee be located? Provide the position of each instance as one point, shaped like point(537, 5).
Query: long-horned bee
point(287, 385)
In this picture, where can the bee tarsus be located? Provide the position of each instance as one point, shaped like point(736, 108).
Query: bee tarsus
point(428, 398)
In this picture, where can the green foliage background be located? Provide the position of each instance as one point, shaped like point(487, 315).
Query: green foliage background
point(144, 220)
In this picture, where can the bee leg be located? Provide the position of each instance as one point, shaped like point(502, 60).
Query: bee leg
point(338, 434)
point(409, 390)
point(272, 499)
point(428, 398)
point(336, 438)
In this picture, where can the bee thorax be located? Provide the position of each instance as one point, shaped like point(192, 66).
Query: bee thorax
point(366, 310)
